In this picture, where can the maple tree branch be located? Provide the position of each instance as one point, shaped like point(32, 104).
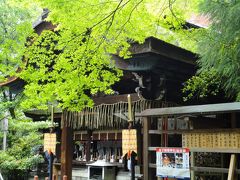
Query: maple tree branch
point(129, 17)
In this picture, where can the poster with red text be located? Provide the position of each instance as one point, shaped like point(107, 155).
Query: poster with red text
point(173, 162)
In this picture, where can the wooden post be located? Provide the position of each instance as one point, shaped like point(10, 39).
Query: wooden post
point(232, 167)
point(66, 152)
point(165, 135)
point(50, 165)
point(233, 125)
point(56, 169)
point(192, 165)
point(54, 177)
point(130, 126)
point(233, 120)
point(222, 165)
point(139, 144)
point(146, 143)
point(88, 146)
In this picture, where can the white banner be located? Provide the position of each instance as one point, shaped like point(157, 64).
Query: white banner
point(173, 162)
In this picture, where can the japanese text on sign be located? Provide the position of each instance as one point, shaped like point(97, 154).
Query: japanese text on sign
point(129, 141)
point(220, 140)
point(50, 142)
point(173, 162)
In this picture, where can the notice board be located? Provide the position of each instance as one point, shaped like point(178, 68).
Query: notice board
point(173, 162)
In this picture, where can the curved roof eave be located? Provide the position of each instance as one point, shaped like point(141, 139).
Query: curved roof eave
point(9, 81)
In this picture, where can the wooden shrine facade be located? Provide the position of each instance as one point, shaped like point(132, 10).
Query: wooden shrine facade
point(222, 136)
point(154, 75)
point(103, 122)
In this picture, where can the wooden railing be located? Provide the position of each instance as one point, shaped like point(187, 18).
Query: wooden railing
point(54, 177)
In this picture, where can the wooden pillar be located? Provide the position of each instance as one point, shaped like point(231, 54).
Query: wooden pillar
point(232, 167)
point(88, 146)
point(233, 125)
point(146, 144)
point(139, 144)
point(164, 142)
point(192, 165)
point(233, 120)
point(222, 164)
point(66, 152)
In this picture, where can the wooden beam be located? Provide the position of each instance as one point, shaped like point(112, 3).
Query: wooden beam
point(152, 165)
point(114, 99)
point(232, 167)
point(205, 150)
point(204, 169)
point(197, 109)
point(157, 46)
point(214, 150)
point(194, 131)
point(66, 152)
point(210, 169)
point(97, 101)
point(146, 143)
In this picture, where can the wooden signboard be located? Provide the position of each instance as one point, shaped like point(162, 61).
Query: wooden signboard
point(214, 140)
point(129, 141)
point(50, 142)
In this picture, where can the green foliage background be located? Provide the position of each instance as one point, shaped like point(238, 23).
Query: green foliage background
point(219, 49)
point(23, 136)
point(15, 26)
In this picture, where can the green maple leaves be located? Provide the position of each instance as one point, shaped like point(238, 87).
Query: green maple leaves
point(73, 62)
point(62, 73)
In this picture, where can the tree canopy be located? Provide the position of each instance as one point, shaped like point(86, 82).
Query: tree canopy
point(219, 49)
point(74, 61)
point(15, 28)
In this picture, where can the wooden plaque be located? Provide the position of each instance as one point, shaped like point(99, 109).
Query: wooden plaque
point(50, 142)
point(129, 141)
point(214, 140)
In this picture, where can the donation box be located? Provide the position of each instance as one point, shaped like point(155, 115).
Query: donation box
point(101, 170)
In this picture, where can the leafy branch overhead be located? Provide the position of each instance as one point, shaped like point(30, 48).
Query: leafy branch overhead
point(63, 74)
point(74, 62)
point(219, 48)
